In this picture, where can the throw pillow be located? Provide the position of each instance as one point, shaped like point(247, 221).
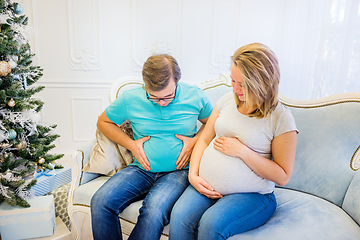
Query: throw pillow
point(107, 157)
point(125, 153)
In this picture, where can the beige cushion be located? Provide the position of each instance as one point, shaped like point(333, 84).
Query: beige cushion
point(107, 157)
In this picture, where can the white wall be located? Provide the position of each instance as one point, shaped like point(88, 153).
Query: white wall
point(84, 45)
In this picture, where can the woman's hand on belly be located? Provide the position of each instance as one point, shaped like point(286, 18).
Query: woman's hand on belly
point(139, 153)
point(229, 146)
point(203, 187)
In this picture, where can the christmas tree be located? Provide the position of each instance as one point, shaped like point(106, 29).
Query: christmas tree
point(25, 138)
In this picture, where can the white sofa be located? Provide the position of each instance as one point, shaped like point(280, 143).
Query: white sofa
point(322, 199)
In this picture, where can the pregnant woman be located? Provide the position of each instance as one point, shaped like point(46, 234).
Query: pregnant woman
point(248, 145)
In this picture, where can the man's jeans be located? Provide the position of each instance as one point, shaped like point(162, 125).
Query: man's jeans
point(195, 216)
point(161, 190)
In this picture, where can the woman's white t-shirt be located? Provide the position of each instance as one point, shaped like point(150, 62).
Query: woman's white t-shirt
point(228, 174)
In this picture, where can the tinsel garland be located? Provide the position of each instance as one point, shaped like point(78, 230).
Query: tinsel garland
point(4, 191)
point(26, 120)
point(21, 191)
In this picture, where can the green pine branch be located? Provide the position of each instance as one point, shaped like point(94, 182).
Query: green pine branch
point(19, 159)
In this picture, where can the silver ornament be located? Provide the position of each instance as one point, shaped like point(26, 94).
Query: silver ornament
point(11, 134)
point(18, 9)
point(13, 64)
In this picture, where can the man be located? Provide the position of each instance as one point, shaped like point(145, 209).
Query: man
point(163, 115)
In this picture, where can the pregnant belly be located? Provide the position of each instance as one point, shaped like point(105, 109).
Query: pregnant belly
point(229, 175)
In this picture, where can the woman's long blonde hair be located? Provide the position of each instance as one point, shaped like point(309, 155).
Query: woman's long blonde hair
point(260, 74)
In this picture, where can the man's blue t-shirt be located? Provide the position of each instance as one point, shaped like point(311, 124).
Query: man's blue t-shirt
point(161, 123)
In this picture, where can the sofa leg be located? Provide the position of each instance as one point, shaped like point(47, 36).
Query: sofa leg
point(81, 227)
point(75, 229)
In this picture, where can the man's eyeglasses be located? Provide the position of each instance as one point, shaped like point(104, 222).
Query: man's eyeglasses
point(166, 99)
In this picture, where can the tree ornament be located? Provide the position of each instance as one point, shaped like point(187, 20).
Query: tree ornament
point(2, 133)
point(5, 68)
point(41, 160)
point(11, 134)
point(3, 156)
point(18, 9)
point(16, 77)
point(10, 154)
point(11, 102)
point(22, 144)
point(5, 145)
point(13, 64)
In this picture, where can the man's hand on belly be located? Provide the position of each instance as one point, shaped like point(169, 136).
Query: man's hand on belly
point(139, 153)
point(184, 157)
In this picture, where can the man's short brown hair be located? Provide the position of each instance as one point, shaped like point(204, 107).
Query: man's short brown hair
point(157, 71)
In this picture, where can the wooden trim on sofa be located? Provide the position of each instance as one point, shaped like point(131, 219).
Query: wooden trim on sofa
point(355, 160)
point(320, 102)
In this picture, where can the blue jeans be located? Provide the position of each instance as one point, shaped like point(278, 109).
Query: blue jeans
point(195, 216)
point(159, 191)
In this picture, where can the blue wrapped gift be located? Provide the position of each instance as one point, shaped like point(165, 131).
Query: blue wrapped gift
point(50, 180)
point(36, 221)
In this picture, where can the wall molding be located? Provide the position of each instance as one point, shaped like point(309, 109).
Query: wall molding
point(84, 35)
point(139, 53)
point(75, 83)
point(78, 116)
point(75, 86)
point(220, 53)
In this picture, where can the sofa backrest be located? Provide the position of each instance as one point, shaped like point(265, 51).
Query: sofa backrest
point(214, 88)
point(327, 153)
point(328, 141)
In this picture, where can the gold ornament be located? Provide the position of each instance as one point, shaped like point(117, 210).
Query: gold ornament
point(5, 68)
point(22, 144)
point(3, 156)
point(5, 145)
point(11, 102)
point(41, 160)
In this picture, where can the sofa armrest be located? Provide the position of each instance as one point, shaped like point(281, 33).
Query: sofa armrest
point(79, 158)
point(351, 202)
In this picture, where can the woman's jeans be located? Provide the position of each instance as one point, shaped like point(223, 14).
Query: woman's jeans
point(161, 190)
point(195, 216)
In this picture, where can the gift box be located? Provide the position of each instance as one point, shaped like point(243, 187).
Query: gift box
point(61, 204)
point(50, 180)
point(36, 221)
